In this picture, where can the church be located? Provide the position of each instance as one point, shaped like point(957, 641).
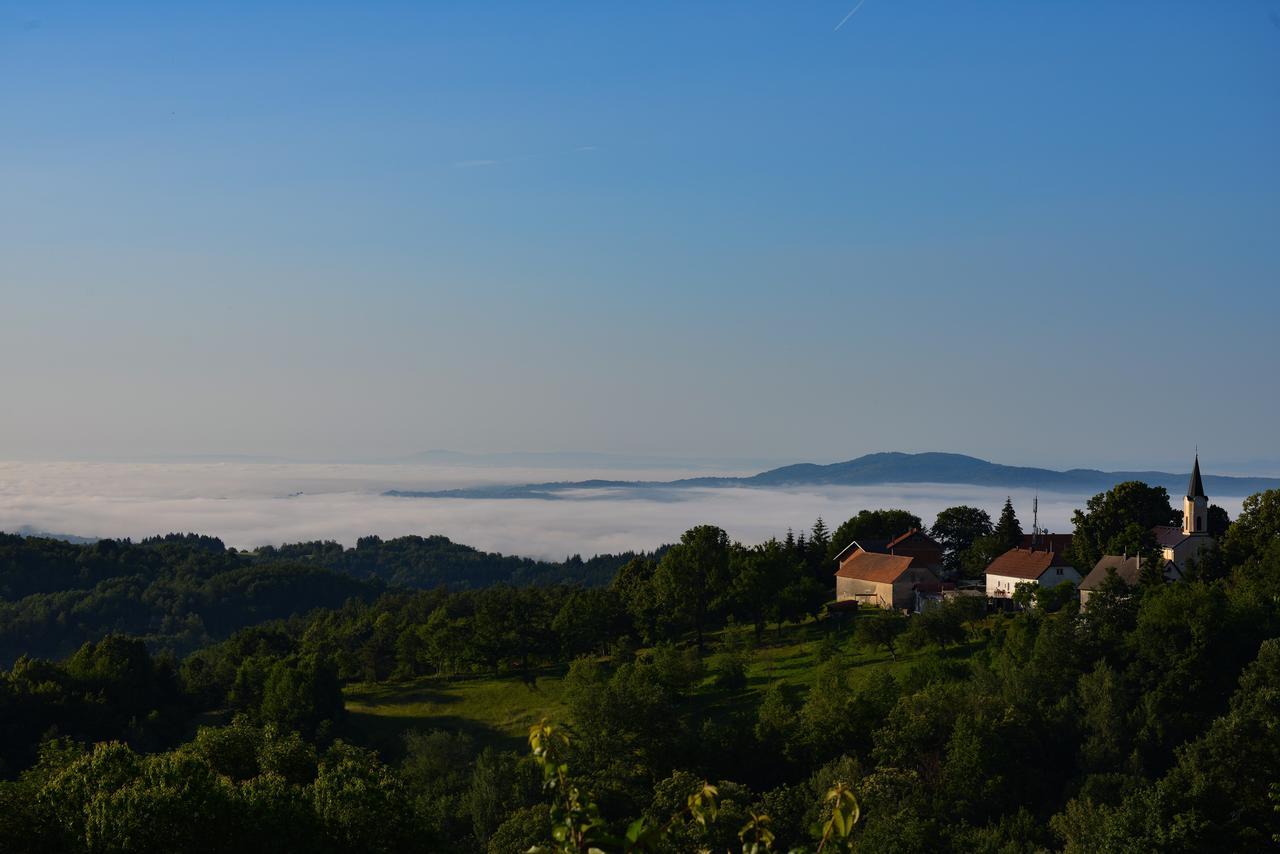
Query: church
point(1179, 545)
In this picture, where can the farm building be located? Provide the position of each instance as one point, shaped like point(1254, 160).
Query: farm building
point(884, 580)
point(923, 550)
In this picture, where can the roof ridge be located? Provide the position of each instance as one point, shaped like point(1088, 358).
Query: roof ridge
point(874, 566)
point(893, 542)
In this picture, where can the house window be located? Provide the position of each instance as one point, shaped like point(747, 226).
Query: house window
point(1058, 570)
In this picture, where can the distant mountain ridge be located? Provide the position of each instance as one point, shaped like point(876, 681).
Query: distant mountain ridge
point(579, 459)
point(888, 468)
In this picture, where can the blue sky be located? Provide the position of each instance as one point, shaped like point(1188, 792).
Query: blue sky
point(1039, 233)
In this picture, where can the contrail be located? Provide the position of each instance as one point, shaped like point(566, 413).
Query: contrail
point(846, 18)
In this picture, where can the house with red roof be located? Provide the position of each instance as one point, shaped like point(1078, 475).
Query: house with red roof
point(923, 549)
point(1038, 564)
point(883, 580)
point(1060, 543)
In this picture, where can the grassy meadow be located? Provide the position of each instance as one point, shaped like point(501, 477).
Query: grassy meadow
point(498, 709)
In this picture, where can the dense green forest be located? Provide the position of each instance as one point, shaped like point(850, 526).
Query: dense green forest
point(701, 698)
point(180, 592)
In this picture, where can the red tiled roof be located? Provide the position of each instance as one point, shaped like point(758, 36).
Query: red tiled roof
point(908, 535)
point(883, 546)
point(914, 532)
point(1053, 542)
point(876, 568)
point(1022, 563)
point(865, 543)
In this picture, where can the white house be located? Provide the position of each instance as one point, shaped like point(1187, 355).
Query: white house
point(1041, 566)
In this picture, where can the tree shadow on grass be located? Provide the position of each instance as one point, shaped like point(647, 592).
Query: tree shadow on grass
point(385, 733)
point(397, 695)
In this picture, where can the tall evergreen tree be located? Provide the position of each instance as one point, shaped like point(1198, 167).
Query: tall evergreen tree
point(820, 535)
point(1008, 529)
point(815, 557)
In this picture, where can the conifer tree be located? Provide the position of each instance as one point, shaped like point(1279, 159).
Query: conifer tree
point(1008, 530)
point(820, 535)
point(819, 543)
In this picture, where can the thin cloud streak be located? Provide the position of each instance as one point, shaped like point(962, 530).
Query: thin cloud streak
point(482, 163)
point(846, 18)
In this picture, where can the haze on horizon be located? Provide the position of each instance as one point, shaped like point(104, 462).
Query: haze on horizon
point(1042, 234)
point(249, 505)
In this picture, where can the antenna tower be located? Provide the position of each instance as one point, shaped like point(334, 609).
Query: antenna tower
point(1035, 520)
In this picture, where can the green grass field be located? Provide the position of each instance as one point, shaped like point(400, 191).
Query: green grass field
point(496, 710)
point(499, 709)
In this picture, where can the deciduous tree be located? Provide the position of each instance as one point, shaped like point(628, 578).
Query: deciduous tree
point(957, 528)
point(1109, 513)
point(873, 524)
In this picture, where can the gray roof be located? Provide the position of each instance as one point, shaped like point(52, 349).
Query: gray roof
point(1195, 489)
point(1128, 569)
point(1168, 536)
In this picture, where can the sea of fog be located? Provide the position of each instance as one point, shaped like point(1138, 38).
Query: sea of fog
point(253, 504)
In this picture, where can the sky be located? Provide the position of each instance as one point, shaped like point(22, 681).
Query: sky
point(1039, 233)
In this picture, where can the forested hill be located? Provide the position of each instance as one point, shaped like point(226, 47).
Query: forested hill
point(962, 469)
point(883, 468)
point(425, 562)
point(183, 591)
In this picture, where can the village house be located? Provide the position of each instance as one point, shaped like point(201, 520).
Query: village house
point(1127, 569)
point(1038, 564)
point(1060, 543)
point(935, 595)
point(924, 551)
point(883, 580)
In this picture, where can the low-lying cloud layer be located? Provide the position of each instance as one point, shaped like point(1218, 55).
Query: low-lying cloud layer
point(250, 505)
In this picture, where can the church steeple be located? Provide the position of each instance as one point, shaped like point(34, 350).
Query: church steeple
point(1195, 489)
point(1195, 506)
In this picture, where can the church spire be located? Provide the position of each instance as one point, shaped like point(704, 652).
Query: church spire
point(1195, 506)
point(1195, 489)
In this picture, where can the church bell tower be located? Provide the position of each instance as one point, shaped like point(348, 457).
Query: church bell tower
point(1195, 506)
